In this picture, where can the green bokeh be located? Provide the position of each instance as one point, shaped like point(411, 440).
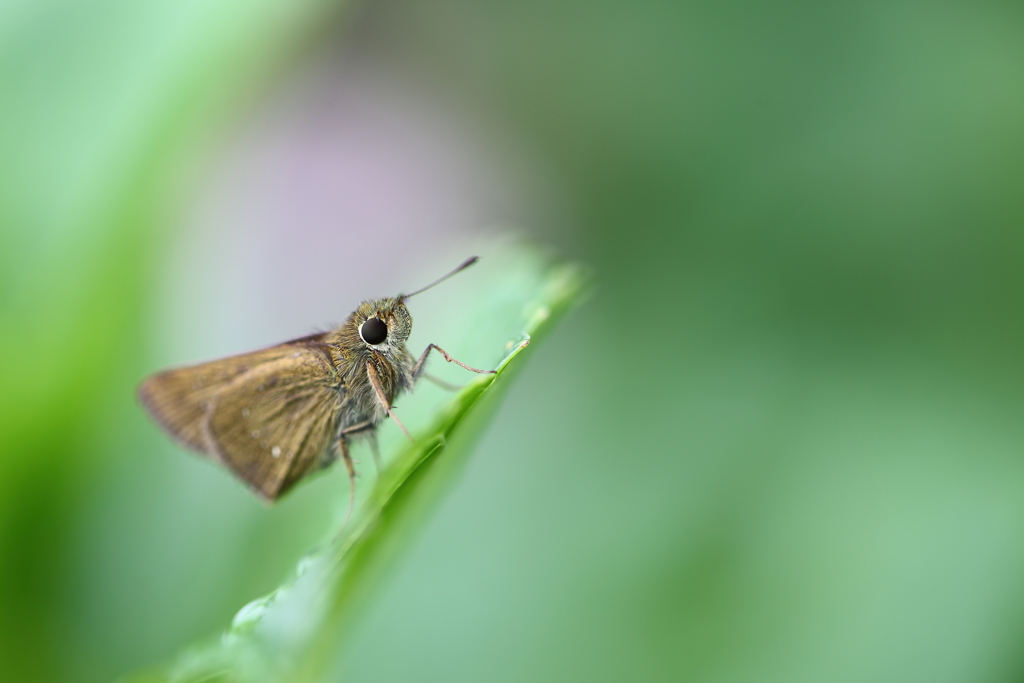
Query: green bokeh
point(783, 440)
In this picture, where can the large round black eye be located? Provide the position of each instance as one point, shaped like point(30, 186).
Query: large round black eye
point(373, 331)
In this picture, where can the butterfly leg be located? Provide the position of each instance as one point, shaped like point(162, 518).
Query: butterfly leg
point(366, 426)
point(375, 450)
point(417, 369)
point(448, 386)
point(371, 373)
point(347, 458)
point(356, 428)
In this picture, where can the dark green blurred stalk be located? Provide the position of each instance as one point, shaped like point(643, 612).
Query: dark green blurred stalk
point(105, 106)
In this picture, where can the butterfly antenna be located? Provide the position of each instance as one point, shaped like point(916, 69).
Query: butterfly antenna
point(465, 264)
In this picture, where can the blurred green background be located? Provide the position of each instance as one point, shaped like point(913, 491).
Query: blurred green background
point(781, 442)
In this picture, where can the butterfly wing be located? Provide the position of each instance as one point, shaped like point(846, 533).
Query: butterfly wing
point(274, 424)
point(203, 406)
point(180, 399)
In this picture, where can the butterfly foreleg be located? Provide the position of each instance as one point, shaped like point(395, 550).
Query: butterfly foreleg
point(371, 373)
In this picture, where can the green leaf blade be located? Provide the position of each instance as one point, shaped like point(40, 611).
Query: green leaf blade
point(296, 632)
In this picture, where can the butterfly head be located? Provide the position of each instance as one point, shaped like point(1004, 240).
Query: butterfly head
point(383, 324)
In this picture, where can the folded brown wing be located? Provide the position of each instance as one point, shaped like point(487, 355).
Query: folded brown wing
point(273, 424)
point(181, 399)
